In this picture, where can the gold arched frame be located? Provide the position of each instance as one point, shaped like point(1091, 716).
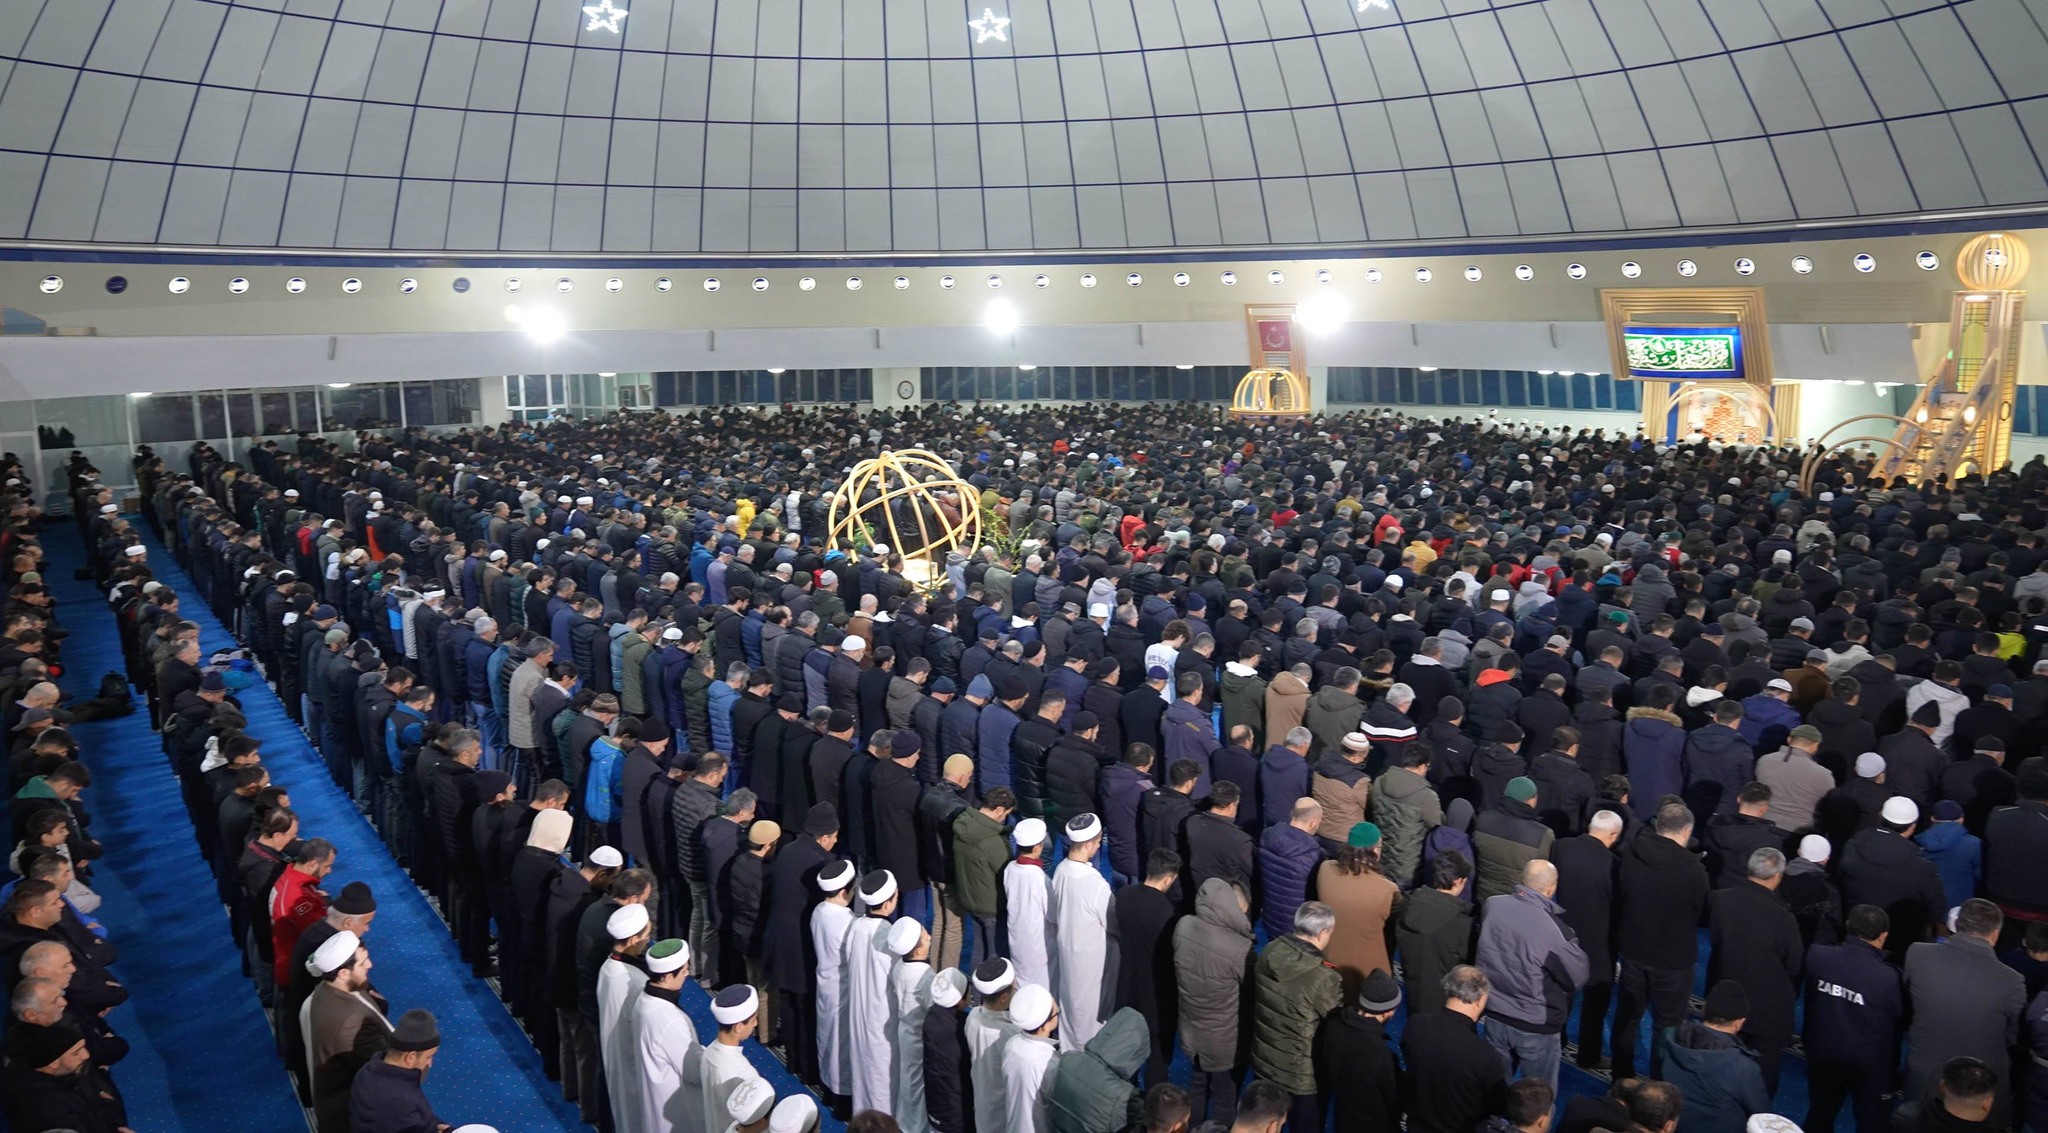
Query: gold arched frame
point(1253, 395)
point(1748, 394)
point(1812, 466)
point(899, 474)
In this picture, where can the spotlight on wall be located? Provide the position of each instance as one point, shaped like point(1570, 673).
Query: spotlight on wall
point(339, 385)
point(544, 325)
point(140, 394)
point(1000, 318)
point(1321, 314)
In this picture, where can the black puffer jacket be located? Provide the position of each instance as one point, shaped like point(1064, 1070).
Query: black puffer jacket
point(1030, 745)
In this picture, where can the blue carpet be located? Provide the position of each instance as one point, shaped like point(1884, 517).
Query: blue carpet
point(487, 1070)
point(202, 1054)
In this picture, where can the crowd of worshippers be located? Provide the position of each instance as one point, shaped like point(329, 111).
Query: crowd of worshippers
point(1223, 722)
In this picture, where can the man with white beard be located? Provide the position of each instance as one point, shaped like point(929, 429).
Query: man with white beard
point(1080, 911)
point(619, 981)
point(995, 981)
point(1030, 1057)
point(664, 1048)
point(910, 987)
point(1027, 905)
point(725, 1067)
point(830, 922)
point(869, 1011)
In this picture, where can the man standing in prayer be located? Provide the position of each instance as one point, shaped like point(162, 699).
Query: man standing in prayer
point(1027, 905)
point(725, 1066)
point(868, 1013)
point(995, 981)
point(1030, 1057)
point(910, 984)
point(830, 922)
point(619, 982)
point(664, 1047)
point(344, 1026)
point(1080, 911)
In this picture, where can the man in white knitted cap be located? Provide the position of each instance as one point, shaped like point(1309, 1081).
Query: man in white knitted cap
point(995, 982)
point(1027, 1057)
point(619, 981)
point(869, 1005)
point(910, 988)
point(1080, 912)
point(664, 1049)
point(725, 1067)
point(1027, 905)
point(830, 923)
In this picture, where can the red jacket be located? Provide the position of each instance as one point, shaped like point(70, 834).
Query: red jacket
point(296, 903)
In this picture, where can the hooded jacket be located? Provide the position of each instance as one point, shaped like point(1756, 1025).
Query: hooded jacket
point(1719, 1082)
point(1434, 933)
point(1343, 790)
point(980, 851)
point(1212, 963)
point(1653, 754)
point(1092, 1091)
point(1286, 705)
point(1494, 699)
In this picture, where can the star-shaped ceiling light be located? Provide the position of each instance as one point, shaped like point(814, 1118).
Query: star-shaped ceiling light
point(989, 26)
point(605, 16)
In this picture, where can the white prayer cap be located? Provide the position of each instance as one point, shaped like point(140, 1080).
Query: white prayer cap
point(1869, 765)
point(584, 501)
point(751, 1101)
point(291, 493)
point(152, 586)
point(796, 1113)
point(542, 545)
point(1816, 849)
point(497, 555)
point(1031, 832)
point(735, 1004)
point(949, 987)
point(1031, 1007)
point(993, 976)
point(607, 857)
point(551, 829)
point(1778, 684)
point(672, 633)
point(877, 887)
point(476, 1129)
point(854, 643)
point(1771, 1123)
point(666, 956)
point(1900, 811)
point(564, 500)
point(137, 550)
point(904, 935)
point(1083, 828)
point(828, 578)
point(626, 922)
point(109, 509)
point(377, 495)
point(880, 548)
point(334, 954)
point(1827, 497)
point(1499, 596)
point(1098, 610)
point(832, 877)
point(1603, 538)
point(1396, 581)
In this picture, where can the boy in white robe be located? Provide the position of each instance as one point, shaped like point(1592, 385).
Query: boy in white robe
point(1080, 910)
point(664, 1045)
point(619, 981)
point(1027, 906)
point(750, 1106)
point(1030, 1057)
point(830, 922)
point(870, 1009)
point(995, 981)
point(910, 984)
point(738, 1011)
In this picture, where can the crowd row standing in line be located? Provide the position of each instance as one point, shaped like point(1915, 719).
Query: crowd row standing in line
point(1606, 690)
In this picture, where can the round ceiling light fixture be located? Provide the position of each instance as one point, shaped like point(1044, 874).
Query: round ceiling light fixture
point(1372, 275)
point(1865, 262)
point(1524, 272)
point(1276, 277)
point(760, 283)
point(664, 283)
point(1180, 279)
point(1041, 281)
point(615, 285)
point(902, 283)
point(1323, 275)
point(948, 283)
point(1631, 270)
point(1575, 271)
point(565, 285)
point(180, 285)
point(853, 283)
point(52, 284)
point(1229, 279)
point(1926, 261)
point(1688, 268)
point(406, 286)
point(1088, 279)
point(295, 286)
point(351, 285)
point(240, 286)
point(711, 283)
point(1745, 266)
point(1134, 280)
point(1803, 265)
point(995, 281)
point(1424, 275)
point(1472, 273)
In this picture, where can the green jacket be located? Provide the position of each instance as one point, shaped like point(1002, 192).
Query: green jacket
point(633, 686)
point(981, 848)
point(1092, 1090)
point(1406, 810)
point(1294, 990)
point(1244, 702)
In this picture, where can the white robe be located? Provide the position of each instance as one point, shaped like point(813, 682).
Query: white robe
point(1080, 909)
point(618, 985)
point(829, 925)
point(911, 984)
point(985, 1031)
point(665, 1045)
point(1027, 911)
point(1028, 1062)
point(870, 1015)
point(725, 1067)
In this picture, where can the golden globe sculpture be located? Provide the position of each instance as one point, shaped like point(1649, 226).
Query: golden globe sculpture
point(1270, 393)
point(911, 501)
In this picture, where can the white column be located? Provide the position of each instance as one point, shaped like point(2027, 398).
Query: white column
point(1318, 388)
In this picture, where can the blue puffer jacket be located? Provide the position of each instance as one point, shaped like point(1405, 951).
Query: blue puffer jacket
point(1287, 860)
point(1766, 720)
point(1718, 764)
point(1653, 755)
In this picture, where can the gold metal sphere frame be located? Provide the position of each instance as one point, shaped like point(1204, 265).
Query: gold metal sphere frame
point(863, 512)
point(1270, 393)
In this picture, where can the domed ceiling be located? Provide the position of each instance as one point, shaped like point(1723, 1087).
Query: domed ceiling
point(928, 126)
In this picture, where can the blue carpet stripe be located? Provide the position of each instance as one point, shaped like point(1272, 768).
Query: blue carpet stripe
point(487, 1070)
point(202, 1057)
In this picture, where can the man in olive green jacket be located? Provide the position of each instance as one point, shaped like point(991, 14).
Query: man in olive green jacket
point(1294, 990)
point(981, 848)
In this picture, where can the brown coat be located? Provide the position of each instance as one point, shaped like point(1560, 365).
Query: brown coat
point(343, 1032)
point(1366, 905)
point(1343, 803)
point(1286, 702)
